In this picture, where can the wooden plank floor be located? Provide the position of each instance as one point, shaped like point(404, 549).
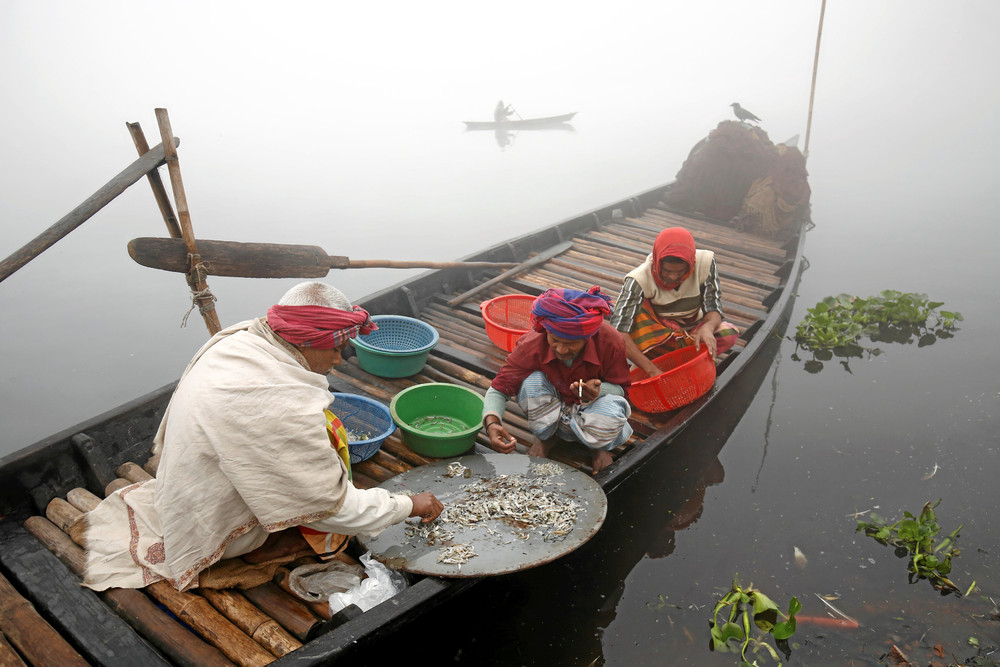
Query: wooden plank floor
point(255, 627)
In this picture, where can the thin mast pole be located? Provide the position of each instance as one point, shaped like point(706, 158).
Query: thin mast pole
point(201, 296)
point(812, 91)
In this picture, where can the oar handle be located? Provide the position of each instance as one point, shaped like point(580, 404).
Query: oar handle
point(346, 263)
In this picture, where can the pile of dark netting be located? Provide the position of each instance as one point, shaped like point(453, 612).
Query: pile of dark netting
point(737, 174)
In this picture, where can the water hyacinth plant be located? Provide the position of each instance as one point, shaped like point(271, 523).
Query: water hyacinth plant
point(748, 607)
point(914, 536)
point(836, 325)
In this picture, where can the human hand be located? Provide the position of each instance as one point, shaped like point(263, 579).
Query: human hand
point(649, 367)
point(705, 336)
point(500, 439)
point(591, 390)
point(426, 506)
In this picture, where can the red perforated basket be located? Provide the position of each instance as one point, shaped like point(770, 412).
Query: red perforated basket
point(688, 375)
point(507, 318)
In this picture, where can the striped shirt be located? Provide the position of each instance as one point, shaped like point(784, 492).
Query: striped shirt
point(631, 297)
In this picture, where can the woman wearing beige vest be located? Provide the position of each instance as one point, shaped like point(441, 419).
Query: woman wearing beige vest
point(672, 300)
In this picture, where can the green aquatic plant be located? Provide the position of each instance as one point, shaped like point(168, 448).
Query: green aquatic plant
point(749, 607)
point(836, 325)
point(914, 536)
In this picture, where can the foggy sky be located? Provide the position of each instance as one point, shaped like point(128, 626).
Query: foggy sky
point(319, 123)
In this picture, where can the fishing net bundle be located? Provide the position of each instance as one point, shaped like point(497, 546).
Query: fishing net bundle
point(737, 174)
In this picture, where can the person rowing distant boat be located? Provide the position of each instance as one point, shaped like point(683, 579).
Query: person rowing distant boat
point(570, 376)
point(502, 111)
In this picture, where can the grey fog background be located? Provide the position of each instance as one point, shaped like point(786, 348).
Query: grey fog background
point(340, 126)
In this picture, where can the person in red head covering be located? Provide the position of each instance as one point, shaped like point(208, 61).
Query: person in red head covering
point(672, 300)
point(569, 375)
point(249, 463)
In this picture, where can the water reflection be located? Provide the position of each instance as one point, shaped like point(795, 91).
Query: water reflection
point(505, 136)
point(687, 514)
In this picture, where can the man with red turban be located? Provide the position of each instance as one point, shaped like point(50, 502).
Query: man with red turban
point(247, 468)
point(570, 376)
point(672, 300)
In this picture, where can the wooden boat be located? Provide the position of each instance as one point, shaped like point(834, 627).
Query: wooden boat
point(521, 123)
point(47, 487)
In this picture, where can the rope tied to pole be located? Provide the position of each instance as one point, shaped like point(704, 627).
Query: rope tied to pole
point(203, 299)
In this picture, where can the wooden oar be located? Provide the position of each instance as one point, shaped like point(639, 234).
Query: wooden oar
point(527, 264)
point(270, 260)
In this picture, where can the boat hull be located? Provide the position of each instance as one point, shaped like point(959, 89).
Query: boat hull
point(521, 124)
point(605, 241)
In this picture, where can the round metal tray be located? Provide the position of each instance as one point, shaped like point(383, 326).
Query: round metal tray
point(499, 553)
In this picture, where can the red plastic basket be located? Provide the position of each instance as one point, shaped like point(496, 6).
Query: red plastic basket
point(688, 375)
point(507, 318)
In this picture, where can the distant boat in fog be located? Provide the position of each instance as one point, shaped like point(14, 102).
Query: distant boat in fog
point(547, 122)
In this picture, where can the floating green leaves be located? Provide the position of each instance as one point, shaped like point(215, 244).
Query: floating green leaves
point(836, 325)
point(914, 536)
point(748, 605)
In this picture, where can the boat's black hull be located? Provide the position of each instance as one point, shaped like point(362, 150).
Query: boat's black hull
point(88, 454)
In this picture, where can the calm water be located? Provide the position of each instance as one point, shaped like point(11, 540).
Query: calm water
point(334, 139)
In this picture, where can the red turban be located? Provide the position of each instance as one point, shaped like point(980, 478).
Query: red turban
point(318, 327)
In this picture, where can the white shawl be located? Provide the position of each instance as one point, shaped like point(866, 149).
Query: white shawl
point(244, 452)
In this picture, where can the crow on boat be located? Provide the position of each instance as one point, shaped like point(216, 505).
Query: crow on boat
point(742, 113)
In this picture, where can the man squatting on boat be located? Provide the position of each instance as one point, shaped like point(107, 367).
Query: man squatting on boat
point(247, 467)
point(672, 300)
point(570, 375)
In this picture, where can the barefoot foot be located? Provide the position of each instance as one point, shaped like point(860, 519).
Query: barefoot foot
point(600, 460)
point(542, 448)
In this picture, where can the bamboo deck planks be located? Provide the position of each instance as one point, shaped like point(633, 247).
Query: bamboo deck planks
point(256, 626)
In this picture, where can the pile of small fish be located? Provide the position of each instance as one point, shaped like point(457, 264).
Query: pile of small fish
point(456, 554)
point(516, 500)
point(455, 469)
point(357, 436)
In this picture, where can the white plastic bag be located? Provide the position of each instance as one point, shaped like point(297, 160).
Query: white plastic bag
point(316, 582)
point(381, 584)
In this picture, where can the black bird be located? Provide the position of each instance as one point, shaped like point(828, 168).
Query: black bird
point(742, 113)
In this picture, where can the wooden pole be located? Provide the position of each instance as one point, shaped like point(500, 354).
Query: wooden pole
point(812, 91)
point(251, 620)
point(527, 264)
point(264, 630)
point(290, 612)
point(173, 639)
point(202, 297)
point(210, 624)
point(156, 183)
point(30, 634)
point(145, 164)
point(8, 656)
point(189, 608)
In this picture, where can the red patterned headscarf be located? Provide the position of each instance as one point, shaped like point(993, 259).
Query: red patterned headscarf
point(319, 327)
point(570, 313)
point(673, 242)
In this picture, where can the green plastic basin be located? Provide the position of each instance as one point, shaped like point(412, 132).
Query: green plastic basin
point(438, 419)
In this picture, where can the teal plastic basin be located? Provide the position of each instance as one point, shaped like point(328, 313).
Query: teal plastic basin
point(398, 349)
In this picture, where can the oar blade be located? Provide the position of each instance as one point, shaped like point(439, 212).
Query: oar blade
point(234, 259)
